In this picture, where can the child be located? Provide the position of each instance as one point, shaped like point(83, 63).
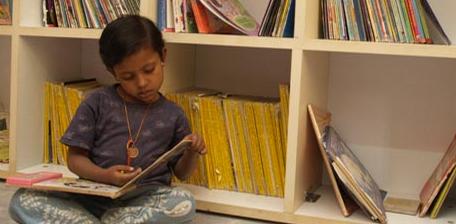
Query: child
point(116, 132)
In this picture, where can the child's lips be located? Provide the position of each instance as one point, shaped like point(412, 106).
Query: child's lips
point(145, 94)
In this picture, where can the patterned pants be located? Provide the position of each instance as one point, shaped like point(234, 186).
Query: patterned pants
point(152, 204)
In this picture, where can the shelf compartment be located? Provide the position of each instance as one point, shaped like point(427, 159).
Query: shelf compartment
point(230, 40)
point(364, 47)
point(239, 204)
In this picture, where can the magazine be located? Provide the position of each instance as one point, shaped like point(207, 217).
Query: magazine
point(234, 14)
point(82, 186)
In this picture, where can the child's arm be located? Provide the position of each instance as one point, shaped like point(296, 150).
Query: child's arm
point(189, 160)
point(80, 164)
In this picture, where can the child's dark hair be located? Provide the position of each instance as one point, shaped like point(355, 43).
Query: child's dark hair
point(125, 36)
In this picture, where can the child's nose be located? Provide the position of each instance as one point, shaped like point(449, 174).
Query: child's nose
point(142, 80)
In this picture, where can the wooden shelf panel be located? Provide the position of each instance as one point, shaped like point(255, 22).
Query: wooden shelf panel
point(328, 208)
point(239, 204)
point(6, 30)
point(230, 40)
point(4, 170)
point(60, 32)
point(419, 50)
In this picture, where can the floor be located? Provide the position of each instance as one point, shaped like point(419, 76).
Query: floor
point(200, 218)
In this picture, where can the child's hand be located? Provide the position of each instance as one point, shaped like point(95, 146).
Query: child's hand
point(197, 145)
point(120, 174)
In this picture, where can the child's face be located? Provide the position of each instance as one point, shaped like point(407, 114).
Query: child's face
point(140, 75)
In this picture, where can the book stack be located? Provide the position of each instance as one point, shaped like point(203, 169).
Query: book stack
point(61, 101)
point(399, 21)
point(245, 141)
point(86, 13)
point(248, 17)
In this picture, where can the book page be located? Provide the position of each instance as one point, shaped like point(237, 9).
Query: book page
point(75, 185)
point(180, 147)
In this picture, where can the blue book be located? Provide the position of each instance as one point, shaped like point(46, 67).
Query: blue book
point(161, 14)
point(288, 31)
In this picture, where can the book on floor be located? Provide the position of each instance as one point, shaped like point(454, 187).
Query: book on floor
point(345, 170)
point(41, 181)
point(440, 181)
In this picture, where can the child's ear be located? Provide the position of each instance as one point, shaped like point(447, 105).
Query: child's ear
point(163, 58)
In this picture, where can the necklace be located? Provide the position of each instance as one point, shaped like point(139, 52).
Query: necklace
point(132, 149)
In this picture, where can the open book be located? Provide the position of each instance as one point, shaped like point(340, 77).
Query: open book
point(82, 186)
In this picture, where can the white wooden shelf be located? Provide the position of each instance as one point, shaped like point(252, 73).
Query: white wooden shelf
point(239, 204)
point(60, 32)
point(399, 49)
point(6, 30)
point(230, 40)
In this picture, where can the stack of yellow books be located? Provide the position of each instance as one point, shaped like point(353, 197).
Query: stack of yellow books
point(61, 101)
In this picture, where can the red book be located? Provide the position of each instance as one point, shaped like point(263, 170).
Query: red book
point(27, 179)
point(201, 17)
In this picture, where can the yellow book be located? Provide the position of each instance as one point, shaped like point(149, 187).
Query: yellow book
point(265, 148)
point(46, 117)
point(214, 130)
point(276, 122)
point(284, 92)
point(256, 162)
point(443, 194)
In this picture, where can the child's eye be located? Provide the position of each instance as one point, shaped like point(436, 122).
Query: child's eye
point(149, 70)
point(127, 77)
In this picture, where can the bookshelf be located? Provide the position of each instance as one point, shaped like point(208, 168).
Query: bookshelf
point(5, 71)
point(387, 100)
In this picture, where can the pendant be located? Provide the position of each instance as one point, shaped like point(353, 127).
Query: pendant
point(132, 151)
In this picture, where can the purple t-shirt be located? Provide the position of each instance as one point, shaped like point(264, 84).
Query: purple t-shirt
point(100, 127)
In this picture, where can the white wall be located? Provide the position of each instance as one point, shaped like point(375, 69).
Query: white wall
point(397, 113)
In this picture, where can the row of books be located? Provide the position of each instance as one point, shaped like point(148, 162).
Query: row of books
point(245, 140)
point(61, 101)
point(355, 188)
point(249, 17)
point(5, 12)
point(86, 13)
point(399, 21)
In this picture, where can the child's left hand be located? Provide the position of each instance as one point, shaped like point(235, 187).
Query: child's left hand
point(197, 145)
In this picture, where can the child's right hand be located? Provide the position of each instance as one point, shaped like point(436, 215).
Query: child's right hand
point(120, 174)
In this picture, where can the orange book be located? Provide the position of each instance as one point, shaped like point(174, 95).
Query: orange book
point(201, 18)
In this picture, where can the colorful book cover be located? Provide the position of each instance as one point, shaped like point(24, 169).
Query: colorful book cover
point(234, 14)
point(438, 177)
point(361, 184)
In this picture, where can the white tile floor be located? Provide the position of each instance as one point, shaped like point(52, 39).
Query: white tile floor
point(200, 218)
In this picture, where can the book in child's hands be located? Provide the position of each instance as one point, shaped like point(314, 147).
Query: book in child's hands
point(27, 179)
point(82, 186)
